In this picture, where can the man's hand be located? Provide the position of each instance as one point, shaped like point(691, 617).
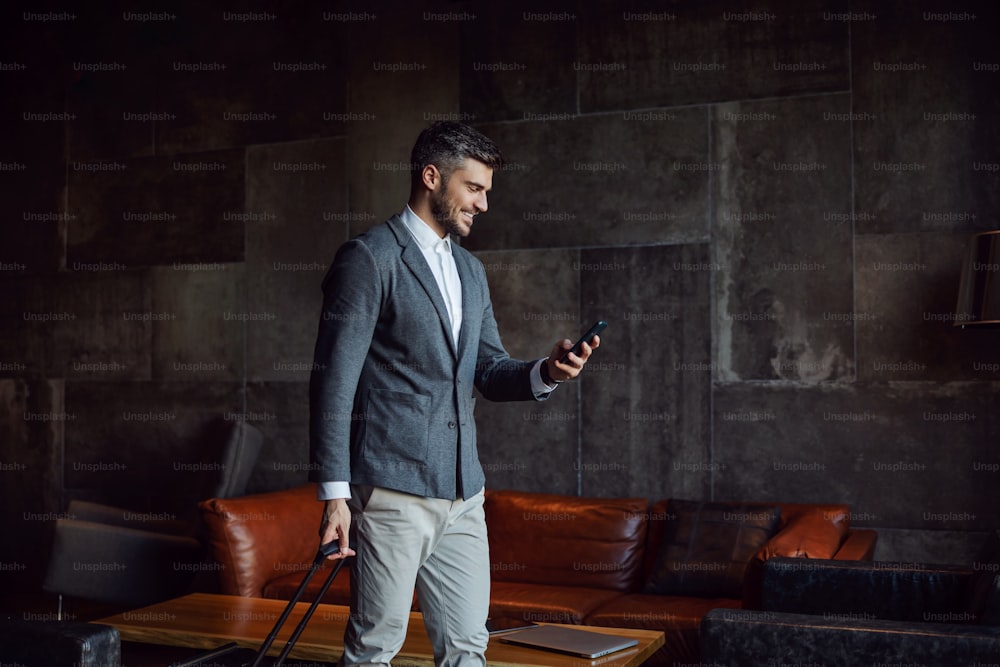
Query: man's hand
point(561, 372)
point(336, 525)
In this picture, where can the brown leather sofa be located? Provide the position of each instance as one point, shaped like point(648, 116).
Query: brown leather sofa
point(554, 558)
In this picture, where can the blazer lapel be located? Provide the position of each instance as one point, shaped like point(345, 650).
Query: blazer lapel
point(471, 303)
point(415, 261)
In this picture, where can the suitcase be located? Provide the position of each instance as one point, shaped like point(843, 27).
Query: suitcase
point(232, 655)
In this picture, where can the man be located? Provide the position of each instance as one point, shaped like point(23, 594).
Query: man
point(407, 330)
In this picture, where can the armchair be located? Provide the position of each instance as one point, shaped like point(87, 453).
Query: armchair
point(849, 613)
point(116, 556)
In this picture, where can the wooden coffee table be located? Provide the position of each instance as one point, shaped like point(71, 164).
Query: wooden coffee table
point(205, 621)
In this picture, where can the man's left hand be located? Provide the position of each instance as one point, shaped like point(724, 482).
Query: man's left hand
point(560, 372)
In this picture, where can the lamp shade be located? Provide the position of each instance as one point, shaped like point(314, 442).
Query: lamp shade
point(979, 289)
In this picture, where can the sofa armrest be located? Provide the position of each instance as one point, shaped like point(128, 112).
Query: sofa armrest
point(912, 592)
point(259, 537)
point(744, 638)
point(858, 545)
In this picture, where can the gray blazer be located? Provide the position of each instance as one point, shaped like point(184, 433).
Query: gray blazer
point(391, 398)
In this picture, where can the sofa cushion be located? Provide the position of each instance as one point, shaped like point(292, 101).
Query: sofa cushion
point(805, 530)
point(542, 603)
point(706, 547)
point(565, 540)
point(809, 531)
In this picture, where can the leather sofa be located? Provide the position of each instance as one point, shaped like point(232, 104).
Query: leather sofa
point(553, 558)
point(843, 614)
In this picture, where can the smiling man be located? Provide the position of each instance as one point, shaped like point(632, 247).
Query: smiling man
point(406, 332)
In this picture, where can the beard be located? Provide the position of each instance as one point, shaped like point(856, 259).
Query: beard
point(448, 213)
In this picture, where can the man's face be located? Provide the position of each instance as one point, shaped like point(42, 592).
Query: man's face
point(462, 196)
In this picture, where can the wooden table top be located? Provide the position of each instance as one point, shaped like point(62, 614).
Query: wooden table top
point(206, 621)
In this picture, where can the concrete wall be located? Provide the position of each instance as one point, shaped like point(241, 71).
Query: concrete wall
point(768, 204)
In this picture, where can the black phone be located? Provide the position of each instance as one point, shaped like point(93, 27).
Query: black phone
point(598, 327)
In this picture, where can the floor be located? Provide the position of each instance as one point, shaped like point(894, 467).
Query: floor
point(46, 607)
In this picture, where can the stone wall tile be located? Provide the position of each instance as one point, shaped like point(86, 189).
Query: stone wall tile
point(281, 411)
point(197, 323)
point(636, 55)
point(907, 289)
point(532, 446)
point(926, 119)
point(646, 399)
point(609, 179)
point(901, 454)
point(514, 67)
point(298, 191)
point(232, 77)
point(783, 240)
point(155, 211)
point(398, 87)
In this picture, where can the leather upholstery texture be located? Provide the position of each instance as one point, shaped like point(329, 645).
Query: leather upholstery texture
point(746, 638)
point(257, 538)
point(538, 538)
point(706, 548)
point(914, 592)
point(554, 558)
point(842, 613)
point(59, 644)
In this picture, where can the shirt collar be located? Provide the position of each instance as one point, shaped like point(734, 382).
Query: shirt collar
point(422, 232)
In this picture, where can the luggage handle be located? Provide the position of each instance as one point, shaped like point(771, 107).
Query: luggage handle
point(321, 555)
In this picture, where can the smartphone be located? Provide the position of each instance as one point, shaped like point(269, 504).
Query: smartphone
point(506, 624)
point(598, 327)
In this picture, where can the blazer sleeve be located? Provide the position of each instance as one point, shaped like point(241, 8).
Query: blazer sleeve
point(351, 304)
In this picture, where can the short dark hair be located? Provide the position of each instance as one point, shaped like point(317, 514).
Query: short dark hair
point(447, 144)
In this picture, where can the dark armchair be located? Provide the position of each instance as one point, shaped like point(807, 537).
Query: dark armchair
point(849, 613)
point(121, 557)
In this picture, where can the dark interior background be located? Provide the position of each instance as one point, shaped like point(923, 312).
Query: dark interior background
point(769, 204)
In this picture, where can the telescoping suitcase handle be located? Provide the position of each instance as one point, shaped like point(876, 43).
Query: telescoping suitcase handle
point(232, 654)
point(321, 555)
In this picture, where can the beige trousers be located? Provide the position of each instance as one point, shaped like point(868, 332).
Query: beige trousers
point(438, 547)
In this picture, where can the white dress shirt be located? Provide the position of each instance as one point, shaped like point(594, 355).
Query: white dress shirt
point(437, 252)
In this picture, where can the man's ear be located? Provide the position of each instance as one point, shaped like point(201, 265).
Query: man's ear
point(431, 177)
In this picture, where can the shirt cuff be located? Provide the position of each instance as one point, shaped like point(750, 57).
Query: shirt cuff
point(332, 490)
point(538, 387)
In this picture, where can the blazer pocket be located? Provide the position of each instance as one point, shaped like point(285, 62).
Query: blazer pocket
point(396, 427)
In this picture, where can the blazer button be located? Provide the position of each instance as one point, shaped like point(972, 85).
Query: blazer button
point(451, 424)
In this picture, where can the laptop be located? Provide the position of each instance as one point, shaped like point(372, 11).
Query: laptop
point(582, 643)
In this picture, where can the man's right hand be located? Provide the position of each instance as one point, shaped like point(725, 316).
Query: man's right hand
point(336, 525)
